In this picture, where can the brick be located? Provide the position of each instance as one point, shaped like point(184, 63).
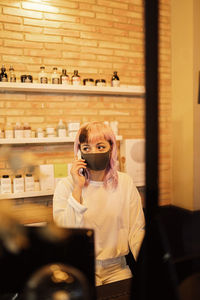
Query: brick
point(42, 53)
point(64, 32)
point(42, 23)
point(23, 59)
point(14, 27)
point(111, 17)
point(40, 7)
point(97, 50)
point(96, 22)
point(6, 50)
point(11, 35)
point(11, 112)
point(10, 3)
point(42, 38)
point(96, 8)
point(78, 55)
point(59, 17)
point(22, 44)
point(113, 45)
point(77, 26)
point(10, 19)
point(113, 4)
point(22, 13)
point(78, 41)
point(30, 119)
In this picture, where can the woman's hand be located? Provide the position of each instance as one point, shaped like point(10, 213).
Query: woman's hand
point(78, 178)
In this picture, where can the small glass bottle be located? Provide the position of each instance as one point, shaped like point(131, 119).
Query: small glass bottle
point(12, 77)
point(42, 77)
point(115, 82)
point(3, 74)
point(8, 131)
point(39, 133)
point(61, 129)
point(27, 130)
point(55, 78)
point(18, 130)
point(76, 79)
point(64, 78)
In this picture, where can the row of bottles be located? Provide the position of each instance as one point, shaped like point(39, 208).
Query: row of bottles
point(4, 76)
point(17, 184)
point(25, 131)
point(64, 78)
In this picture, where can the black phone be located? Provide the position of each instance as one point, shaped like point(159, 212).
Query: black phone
point(81, 170)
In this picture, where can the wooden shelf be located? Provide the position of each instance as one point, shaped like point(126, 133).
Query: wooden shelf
point(52, 140)
point(134, 91)
point(26, 194)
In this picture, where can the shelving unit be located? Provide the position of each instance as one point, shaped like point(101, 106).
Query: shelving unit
point(8, 87)
point(26, 194)
point(134, 91)
point(45, 140)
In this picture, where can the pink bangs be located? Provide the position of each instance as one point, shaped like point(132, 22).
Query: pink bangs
point(91, 133)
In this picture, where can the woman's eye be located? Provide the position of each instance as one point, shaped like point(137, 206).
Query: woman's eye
point(85, 148)
point(101, 147)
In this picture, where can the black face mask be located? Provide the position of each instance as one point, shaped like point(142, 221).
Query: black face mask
point(96, 161)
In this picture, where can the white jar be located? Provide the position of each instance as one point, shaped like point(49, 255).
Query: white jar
point(18, 184)
point(29, 183)
point(6, 186)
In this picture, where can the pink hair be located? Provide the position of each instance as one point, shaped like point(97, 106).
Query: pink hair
point(90, 133)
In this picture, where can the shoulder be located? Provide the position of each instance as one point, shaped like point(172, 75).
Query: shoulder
point(124, 178)
point(65, 183)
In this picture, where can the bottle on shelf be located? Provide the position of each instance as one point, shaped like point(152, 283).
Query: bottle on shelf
point(50, 131)
point(6, 186)
point(76, 78)
point(12, 77)
point(42, 77)
point(3, 74)
point(2, 134)
point(39, 133)
point(18, 184)
point(18, 130)
point(29, 184)
point(64, 78)
point(115, 82)
point(55, 78)
point(61, 129)
point(9, 131)
point(27, 130)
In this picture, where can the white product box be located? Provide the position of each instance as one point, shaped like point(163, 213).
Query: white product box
point(46, 177)
point(132, 152)
point(29, 183)
point(73, 126)
point(18, 185)
point(6, 186)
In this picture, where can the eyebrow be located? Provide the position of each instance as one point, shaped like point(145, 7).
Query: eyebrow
point(85, 144)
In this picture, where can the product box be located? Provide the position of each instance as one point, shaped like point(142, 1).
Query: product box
point(46, 177)
point(60, 171)
point(132, 152)
point(18, 184)
point(29, 183)
point(6, 186)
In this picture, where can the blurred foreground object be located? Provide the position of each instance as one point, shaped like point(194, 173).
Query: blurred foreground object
point(57, 282)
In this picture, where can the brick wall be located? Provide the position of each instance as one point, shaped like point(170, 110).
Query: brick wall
point(96, 37)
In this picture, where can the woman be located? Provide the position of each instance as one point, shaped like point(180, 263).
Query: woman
point(97, 196)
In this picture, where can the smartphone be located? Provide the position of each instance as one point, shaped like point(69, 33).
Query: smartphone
point(81, 170)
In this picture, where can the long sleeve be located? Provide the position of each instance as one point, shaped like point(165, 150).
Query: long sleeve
point(137, 222)
point(67, 212)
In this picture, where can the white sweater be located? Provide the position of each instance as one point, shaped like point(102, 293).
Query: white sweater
point(116, 215)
